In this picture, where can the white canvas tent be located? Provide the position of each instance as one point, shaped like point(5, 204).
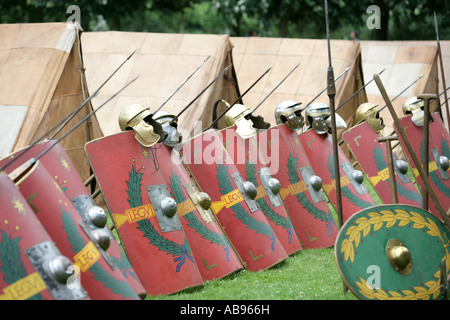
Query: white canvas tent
point(163, 62)
point(41, 82)
point(253, 55)
point(405, 62)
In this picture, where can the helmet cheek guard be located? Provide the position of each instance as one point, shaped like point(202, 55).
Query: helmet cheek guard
point(318, 117)
point(173, 135)
point(289, 112)
point(236, 117)
point(368, 112)
point(319, 124)
point(414, 106)
point(138, 118)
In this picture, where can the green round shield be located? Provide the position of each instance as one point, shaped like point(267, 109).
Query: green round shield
point(393, 252)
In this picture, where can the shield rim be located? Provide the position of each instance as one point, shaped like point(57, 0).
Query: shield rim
point(348, 221)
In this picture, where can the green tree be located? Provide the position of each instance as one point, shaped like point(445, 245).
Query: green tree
point(399, 19)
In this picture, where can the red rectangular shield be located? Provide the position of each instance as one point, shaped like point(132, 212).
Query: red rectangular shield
point(248, 161)
point(248, 229)
point(25, 252)
point(135, 191)
point(306, 206)
point(61, 220)
point(319, 149)
point(437, 176)
point(60, 167)
point(212, 250)
point(362, 141)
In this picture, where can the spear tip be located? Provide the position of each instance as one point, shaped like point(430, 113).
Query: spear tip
point(131, 54)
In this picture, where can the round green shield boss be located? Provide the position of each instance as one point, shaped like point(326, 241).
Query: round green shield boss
point(393, 251)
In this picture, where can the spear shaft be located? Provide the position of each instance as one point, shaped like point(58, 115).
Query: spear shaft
point(331, 92)
point(90, 97)
point(358, 91)
point(190, 103)
point(398, 95)
point(67, 118)
point(442, 69)
point(238, 99)
point(23, 168)
point(179, 87)
point(279, 84)
point(318, 95)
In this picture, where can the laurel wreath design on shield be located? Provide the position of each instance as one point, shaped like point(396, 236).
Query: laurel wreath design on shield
point(193, 222)
point(388, 219)
point(265, 207)
point(303, 199)
point(240, 213)
point(381, 164)
point(180, 252)
point(434, 177)
point(346, 191)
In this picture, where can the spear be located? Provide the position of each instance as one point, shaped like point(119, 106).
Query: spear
point(179, 87)
point(67, 118)
point(318, 95)
point(440, 94)
point(172, 123)
point(258, 121)
point(238, 99)
point(398, 95)
point(276, 87)
point(331, 91)
point(23, 168)
point(442, 67)
point(358, 91)
point(87, 100)
point(414, 157)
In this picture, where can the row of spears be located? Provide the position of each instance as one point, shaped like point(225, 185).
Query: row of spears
point(244, 197)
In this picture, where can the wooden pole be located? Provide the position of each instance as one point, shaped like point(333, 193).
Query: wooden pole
point(416, 161)
point(426, 141)
point(393, 182)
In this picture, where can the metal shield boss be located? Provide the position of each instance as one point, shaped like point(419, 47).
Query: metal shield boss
point(438, 154)
point(362, 141)
point(233, 201)
point(247, 159)
point(354, 194)
point(58, 164)
point(214, 254)
point(144, 213)
point(301, 188)
point(32, 267)
point(74, 239)
point(392, 252)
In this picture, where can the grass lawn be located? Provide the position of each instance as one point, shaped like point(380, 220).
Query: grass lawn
point(310, 274)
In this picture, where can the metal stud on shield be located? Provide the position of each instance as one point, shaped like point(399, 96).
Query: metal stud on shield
point(248, 160)
point(214, 254)
point(140, 203)
point(87, 249)
point(62, 170)
point(249, 232)
point(32, 267)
